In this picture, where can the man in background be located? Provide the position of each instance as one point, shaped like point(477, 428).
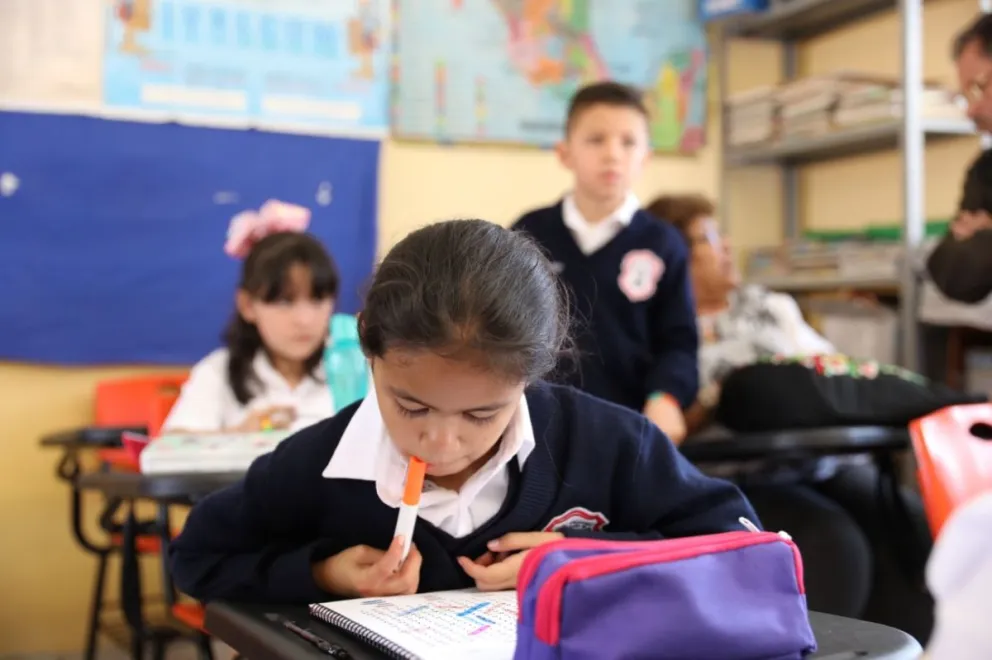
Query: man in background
point(973, 59)
point(961, 265)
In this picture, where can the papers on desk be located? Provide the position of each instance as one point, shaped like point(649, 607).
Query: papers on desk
point(219, 452)
point(442, 625)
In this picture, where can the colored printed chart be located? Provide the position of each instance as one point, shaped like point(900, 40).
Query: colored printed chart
point(319, 65)
point(447, 619)
point(503, 70)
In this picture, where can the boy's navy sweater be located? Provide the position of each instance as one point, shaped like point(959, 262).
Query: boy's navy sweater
point(627, 350)
point(256, 540)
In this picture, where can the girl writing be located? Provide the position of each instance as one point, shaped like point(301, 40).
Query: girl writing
point(461, 322)
point(269, 373)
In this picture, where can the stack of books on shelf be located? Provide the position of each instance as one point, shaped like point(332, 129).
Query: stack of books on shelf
point(752, 117)
point(818, 105)
point(869, 103)
point(807, 104)
point(874, 252)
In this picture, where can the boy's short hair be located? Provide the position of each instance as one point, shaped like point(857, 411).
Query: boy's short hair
point(607, 92)
point(681, 210)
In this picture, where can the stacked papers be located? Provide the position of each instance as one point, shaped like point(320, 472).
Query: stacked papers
point(219, 452)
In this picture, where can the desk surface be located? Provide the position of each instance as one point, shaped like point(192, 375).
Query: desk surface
point(94, 437)
point(244, 628)
point(162, 487)
point(717, 445)
point(714, 444)
point(722, 445)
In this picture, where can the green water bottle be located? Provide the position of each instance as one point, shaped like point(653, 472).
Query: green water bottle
point(346, 366)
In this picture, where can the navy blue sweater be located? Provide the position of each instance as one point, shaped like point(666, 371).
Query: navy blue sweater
point(627, 350)
point(598, 470)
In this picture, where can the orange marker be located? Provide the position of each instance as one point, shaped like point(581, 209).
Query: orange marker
point(407, 518)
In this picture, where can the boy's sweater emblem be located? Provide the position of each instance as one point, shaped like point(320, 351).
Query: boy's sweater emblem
point(640, 272)
point(578, 518)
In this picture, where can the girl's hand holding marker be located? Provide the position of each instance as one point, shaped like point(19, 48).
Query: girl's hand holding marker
point(363, 571)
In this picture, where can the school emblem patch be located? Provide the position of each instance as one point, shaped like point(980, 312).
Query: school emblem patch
point(578, 518)
point(640, 272)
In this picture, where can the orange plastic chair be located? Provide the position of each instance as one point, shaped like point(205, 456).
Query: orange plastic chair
point(190, 615)
point(953, 449)
point(128, 401)
point(138, 401)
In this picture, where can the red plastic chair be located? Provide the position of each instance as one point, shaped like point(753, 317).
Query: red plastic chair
point(953, 449)
point(128, 401)
point(138, 401)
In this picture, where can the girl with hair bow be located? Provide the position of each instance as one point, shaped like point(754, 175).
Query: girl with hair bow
point(269, 372)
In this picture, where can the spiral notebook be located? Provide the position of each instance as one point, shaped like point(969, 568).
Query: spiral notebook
point(435, 626)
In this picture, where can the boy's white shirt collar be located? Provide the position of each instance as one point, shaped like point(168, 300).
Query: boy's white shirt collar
point(593, 236)
point(366, 453)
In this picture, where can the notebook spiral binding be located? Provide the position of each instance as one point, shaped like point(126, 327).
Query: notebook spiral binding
point(374, 640)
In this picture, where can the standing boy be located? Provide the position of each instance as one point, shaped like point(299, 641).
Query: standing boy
point(632, 304)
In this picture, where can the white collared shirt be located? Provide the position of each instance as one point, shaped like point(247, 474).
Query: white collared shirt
point(593, 236)
point(366, 453)
point(207, 402)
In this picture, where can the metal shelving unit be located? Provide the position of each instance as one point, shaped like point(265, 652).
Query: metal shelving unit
point(792, 21)
point(815, 283)
point(850, 142)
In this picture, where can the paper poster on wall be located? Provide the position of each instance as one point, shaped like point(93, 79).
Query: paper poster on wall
point(504, 70)
point(51, 54)
point(310, 65)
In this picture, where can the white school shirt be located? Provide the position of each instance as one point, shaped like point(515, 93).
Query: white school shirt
point(207, 402)
point(366, 453)
point(593, 236)
point(959, 575)
point(756, 324)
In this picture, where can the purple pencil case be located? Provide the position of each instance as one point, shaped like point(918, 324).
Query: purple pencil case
point(729, 596)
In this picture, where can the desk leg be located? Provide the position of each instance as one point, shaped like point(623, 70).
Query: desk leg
point(96, 606)
point(131, 585)
point(68, 470)
point(165, 538)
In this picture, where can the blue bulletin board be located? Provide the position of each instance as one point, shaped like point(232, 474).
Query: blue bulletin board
point(112, 233)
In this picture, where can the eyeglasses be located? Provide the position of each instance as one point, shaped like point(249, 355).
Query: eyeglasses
point(975, 91)
point(710, 236)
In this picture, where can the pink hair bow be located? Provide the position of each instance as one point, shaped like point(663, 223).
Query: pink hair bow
point(249, 227)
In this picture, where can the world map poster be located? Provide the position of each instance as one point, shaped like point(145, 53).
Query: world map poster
point(504, 70)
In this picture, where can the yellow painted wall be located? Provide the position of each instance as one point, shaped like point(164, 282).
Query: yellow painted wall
point(44, 578)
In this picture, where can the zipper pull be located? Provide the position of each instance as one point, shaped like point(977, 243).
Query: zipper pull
point(751, 527)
